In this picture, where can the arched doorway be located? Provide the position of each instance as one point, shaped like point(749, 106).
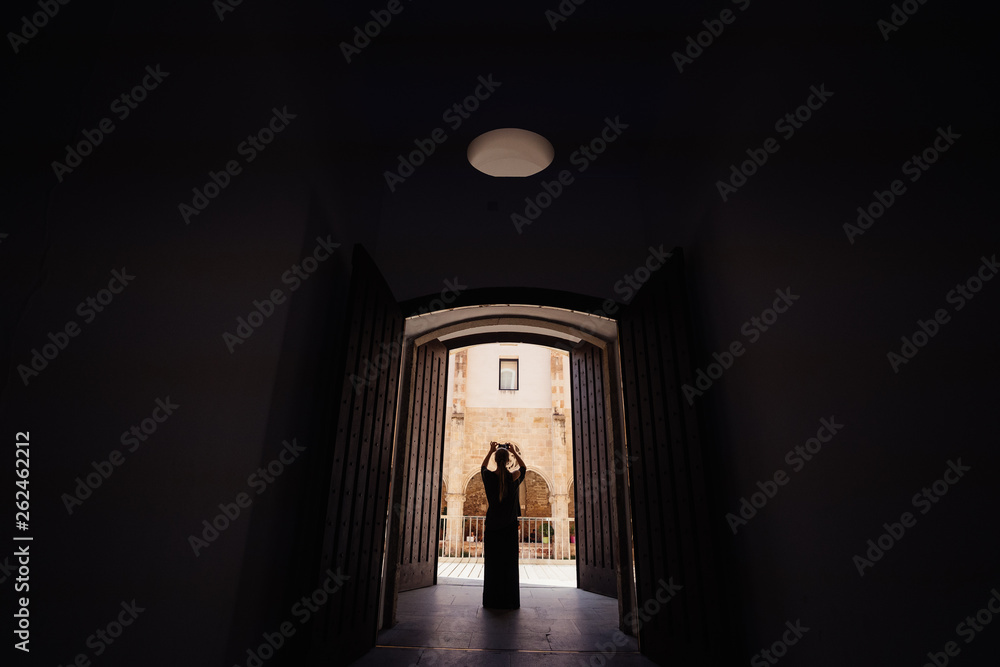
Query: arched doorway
point(600, 545)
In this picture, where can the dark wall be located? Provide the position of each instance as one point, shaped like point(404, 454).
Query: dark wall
point(161, 338)
point(826, 357)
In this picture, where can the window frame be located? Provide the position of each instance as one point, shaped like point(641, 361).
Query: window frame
point(517, 374)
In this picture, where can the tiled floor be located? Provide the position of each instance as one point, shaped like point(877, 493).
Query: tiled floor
point(446, 625)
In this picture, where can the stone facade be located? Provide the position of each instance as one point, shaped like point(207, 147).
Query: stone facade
point(533, 417)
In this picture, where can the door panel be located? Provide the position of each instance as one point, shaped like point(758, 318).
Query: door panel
point(354, 536)
point(668, 493)
point(593, 471)
point(421, 500)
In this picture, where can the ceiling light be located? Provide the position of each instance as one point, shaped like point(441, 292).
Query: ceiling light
point(510, 152)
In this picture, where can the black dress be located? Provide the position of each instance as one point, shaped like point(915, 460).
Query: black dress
point(500, 550)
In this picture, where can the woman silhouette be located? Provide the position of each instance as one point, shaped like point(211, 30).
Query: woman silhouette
point(500, 576)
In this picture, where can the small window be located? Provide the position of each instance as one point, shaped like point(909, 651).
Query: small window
point(508, 373)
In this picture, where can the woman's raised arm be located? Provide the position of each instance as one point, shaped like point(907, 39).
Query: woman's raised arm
point(493, 448)
point(517, 458)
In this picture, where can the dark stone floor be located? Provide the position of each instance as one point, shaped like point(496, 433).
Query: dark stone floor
point(446, 625)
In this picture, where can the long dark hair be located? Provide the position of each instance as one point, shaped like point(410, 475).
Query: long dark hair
point(502, 473)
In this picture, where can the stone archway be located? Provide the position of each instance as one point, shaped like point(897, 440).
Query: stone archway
point(590, 342)
point(536, 499)
point(475, 497)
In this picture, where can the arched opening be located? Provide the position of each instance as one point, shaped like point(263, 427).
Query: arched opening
point(475, 498)
point(579, 349)
point(535, 495)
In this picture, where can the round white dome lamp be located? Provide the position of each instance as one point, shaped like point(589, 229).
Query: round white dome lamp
point(510, 152)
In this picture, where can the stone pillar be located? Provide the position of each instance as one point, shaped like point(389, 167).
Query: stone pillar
point(560, 519)
point(454, 537)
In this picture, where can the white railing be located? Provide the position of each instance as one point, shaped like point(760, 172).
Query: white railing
point(540, 538)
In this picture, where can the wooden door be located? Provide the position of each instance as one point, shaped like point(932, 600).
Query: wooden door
point(354, 537)
point(597, 521)
point(421, 490)
point(672, 531)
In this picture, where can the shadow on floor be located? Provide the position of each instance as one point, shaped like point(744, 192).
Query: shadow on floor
point(446, 625)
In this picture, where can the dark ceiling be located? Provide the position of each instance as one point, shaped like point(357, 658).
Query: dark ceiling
point(617, 60)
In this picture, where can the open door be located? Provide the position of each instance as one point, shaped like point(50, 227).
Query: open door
point(412, 540)
point(354, 535)
point(420, 504)
point(593, 472)
point(668, 492)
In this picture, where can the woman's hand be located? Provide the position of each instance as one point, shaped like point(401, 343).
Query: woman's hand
point(493, 446)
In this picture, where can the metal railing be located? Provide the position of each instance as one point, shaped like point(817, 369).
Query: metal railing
point(539, 538)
